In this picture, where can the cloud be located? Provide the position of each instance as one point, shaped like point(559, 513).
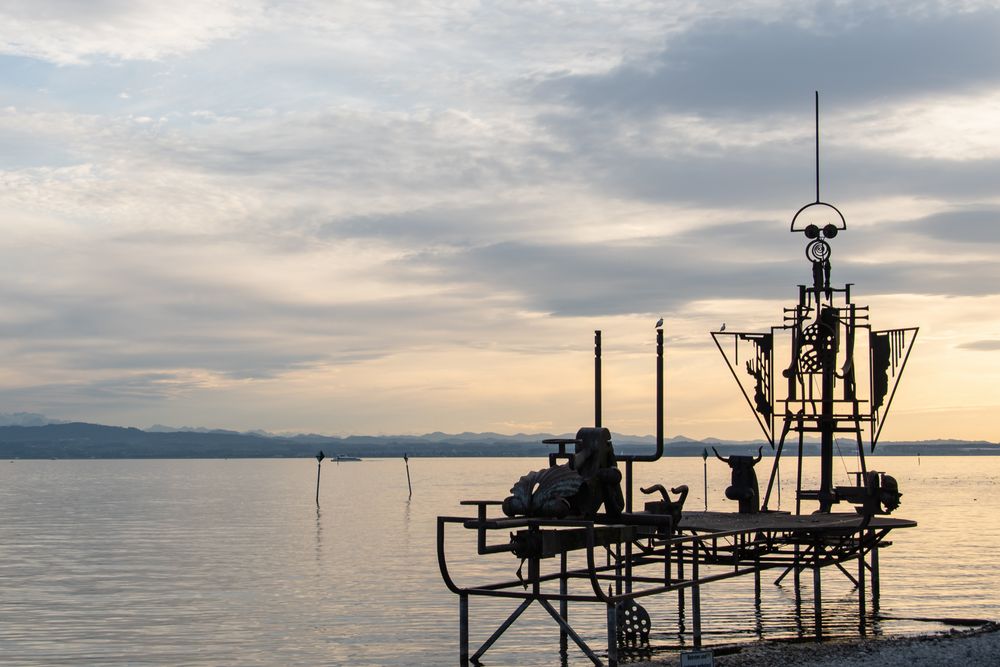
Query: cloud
point(974, 225)
point(722, 67)
point(746, 260)
point(65, 32)
point(301, 199)
point(981, 345)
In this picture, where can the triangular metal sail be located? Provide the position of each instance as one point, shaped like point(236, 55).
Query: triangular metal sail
point(890, 350)
point(750, 357)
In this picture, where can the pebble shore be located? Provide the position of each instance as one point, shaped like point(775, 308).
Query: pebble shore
point(978, 646)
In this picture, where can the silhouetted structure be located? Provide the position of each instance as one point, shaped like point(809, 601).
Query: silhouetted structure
point(554, 523)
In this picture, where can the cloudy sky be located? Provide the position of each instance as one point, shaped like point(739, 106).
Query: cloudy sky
point(378, 217)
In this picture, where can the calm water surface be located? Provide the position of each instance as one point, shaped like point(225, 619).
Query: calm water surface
point(230, 562)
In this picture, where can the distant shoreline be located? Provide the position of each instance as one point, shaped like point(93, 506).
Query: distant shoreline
point(425, 455)
point(96, 441)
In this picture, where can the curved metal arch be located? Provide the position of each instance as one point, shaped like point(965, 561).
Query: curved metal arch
point(841, 226)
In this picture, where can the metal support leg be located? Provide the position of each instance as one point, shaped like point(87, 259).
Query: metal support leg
point(818, 600)
point(695, 603)
point(875, 583)
point(563, 606)
point(847, 574)
point(618, 569)
point(756, 582)
point(612, 636)
point(499, 631)
point(680, 591)
point(570, 631)
point(463, 630)
point(861, 592)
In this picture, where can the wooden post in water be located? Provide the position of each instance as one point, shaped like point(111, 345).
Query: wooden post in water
point(406, 460)
point(319, 467)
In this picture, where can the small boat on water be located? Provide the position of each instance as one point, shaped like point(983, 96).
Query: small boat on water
point(346, 458)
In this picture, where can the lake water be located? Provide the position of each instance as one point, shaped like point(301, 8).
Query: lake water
point(212, 562)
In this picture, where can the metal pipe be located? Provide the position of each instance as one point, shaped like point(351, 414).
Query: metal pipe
point(649, 458)
point(817, 146)
point(659, 393)
point(597, 378)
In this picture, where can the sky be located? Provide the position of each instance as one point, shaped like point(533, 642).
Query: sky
point(400, 218)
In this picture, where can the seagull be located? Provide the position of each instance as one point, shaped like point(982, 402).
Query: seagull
point(722, 328)
point(659, 323)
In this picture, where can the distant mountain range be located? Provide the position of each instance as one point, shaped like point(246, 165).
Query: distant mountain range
point(77, 440)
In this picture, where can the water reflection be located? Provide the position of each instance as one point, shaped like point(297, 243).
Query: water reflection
point(207, 563)
point(319, 536)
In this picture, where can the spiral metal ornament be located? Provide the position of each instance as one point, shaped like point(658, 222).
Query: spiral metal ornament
point(818, 251)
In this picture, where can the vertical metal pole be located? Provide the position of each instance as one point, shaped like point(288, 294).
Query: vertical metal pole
point(628, 485)
point(659, 388)
point(875, 582)
point(817, 146)
point(680, 591)
point(695, 601)
point(463, 630)
point(861, 588)
point(756, 582)
point(563, 604)
point(798, 478)
point(668, 553)
point(628, 567)
point(597, 378)
point(826, 425)
point(618, 569)
point(818, 596)
point(612, 635)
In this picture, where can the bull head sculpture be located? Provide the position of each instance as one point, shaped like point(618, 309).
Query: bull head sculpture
point(743, 486)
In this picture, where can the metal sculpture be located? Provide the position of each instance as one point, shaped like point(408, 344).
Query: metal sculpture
point(552, 493)
point(665, 505)
point(822, 392)
point(574, 528)
point(578, 488)
point(743, 487)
